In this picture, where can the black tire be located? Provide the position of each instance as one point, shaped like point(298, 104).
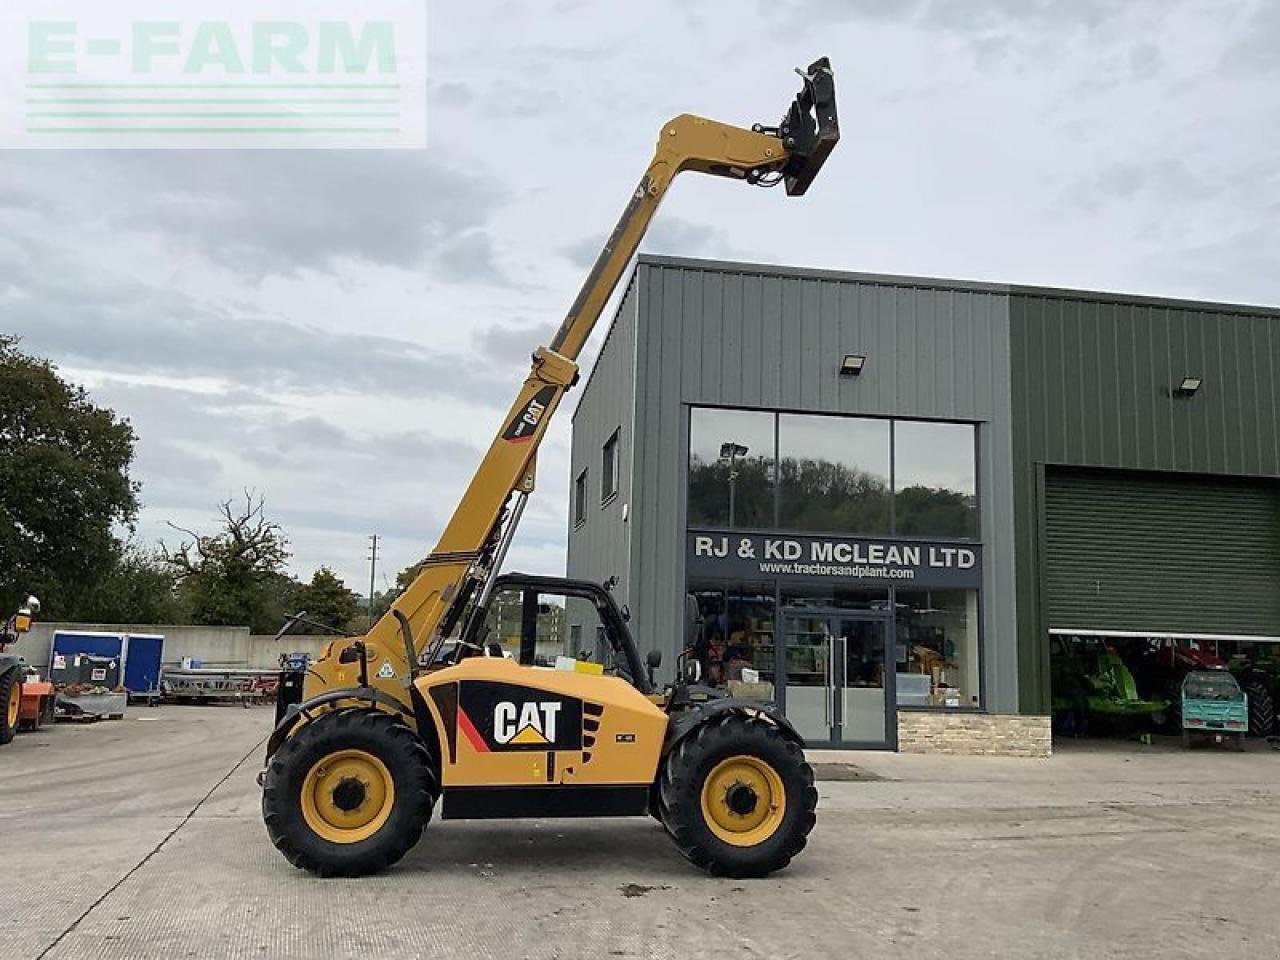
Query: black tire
point(371, 732)
point(686, 771)
point(1262, 710)
point(8, 683)
point(49, 709)
point(655, 800)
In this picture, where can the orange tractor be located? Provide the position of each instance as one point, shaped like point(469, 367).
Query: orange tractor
point(26, 702)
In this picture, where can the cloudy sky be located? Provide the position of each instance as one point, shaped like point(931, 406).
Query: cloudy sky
point(342, 331)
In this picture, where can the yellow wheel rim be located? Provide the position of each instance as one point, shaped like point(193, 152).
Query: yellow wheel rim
point(743, 801)
point(14, 704)
point(347, 796)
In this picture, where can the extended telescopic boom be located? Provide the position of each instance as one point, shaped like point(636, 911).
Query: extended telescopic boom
point(471, 549)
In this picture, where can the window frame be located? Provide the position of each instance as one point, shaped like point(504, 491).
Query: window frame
point(890, 493)
point(689, 411)
point(974, 433)
point(777, 413)
point(610, 475)
point(580, 490)
point(980, 639)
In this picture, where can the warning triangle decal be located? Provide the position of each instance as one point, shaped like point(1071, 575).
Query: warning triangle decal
point(529, 735)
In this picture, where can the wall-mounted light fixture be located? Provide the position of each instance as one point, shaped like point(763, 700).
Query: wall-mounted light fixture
point(1188, 387)
point(732, 451)
point(852, 364)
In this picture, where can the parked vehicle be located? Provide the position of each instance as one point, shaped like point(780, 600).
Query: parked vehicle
point(1214, 708)
point(1093, 688)
point(17, 703)
point(1258, 674)
point(1166, 665)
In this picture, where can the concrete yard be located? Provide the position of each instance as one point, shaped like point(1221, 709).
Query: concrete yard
point(142, 838)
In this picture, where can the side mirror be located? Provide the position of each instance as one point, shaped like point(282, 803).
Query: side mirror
point(626, 614)
point(692, 671)
point(653, 661)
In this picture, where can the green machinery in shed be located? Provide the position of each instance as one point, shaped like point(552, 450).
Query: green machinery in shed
point(1093, 689)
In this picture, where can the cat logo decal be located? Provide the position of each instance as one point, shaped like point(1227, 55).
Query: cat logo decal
point(529, 723)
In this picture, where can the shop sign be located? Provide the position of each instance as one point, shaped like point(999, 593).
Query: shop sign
point(756, 555)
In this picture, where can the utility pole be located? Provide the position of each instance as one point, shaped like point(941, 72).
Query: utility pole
point(373, 569)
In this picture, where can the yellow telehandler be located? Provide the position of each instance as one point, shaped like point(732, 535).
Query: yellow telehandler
point(422, 709)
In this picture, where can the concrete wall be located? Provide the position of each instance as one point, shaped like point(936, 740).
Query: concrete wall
point(221, 646)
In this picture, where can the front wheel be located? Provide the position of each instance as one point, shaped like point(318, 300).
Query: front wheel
point(348, 794)
point(738, 797)
point(10, 705)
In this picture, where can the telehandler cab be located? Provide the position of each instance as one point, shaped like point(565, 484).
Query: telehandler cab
point(355, 767)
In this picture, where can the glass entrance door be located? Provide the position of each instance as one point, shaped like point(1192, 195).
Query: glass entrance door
point(834, 677)
point(808, 654)
point(861, 704)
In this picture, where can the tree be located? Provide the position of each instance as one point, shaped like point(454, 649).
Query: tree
point(139, 587)
point(817, 494)
point(327, 600)
point(936, 511)
point(64, 485)
point(235, 576)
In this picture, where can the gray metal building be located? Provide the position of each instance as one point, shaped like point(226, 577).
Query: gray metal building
point(889, 493)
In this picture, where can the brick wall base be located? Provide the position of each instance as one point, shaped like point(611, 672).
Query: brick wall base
point(979, 734)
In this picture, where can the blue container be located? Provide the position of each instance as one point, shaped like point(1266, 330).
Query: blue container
point(139, 654)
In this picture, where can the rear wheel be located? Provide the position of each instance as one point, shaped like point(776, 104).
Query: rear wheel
point(10, 705)
point(738, 797)
point(1262, 710)
point(348, 794)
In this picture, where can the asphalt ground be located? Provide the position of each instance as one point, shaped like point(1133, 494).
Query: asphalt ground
point(143, 838)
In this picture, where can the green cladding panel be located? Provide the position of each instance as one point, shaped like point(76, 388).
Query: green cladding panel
point(1149, 552)
point(1093, 379)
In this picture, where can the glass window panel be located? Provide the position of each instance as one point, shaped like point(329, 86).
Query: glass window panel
point(580, 498)
point(731, 467)
point(934, 476)
point(833, 474)
point(609, 468)
point(937, 648)
point(735, 641)
point(504, 625)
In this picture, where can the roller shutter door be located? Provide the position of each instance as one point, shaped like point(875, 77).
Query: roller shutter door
point(1161, 553)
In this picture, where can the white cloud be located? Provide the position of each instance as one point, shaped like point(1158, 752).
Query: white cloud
point(344, 331)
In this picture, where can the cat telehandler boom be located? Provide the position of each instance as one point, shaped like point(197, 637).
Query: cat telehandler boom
point(418, 710)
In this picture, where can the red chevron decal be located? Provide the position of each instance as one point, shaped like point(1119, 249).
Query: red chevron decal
point(471, 733)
